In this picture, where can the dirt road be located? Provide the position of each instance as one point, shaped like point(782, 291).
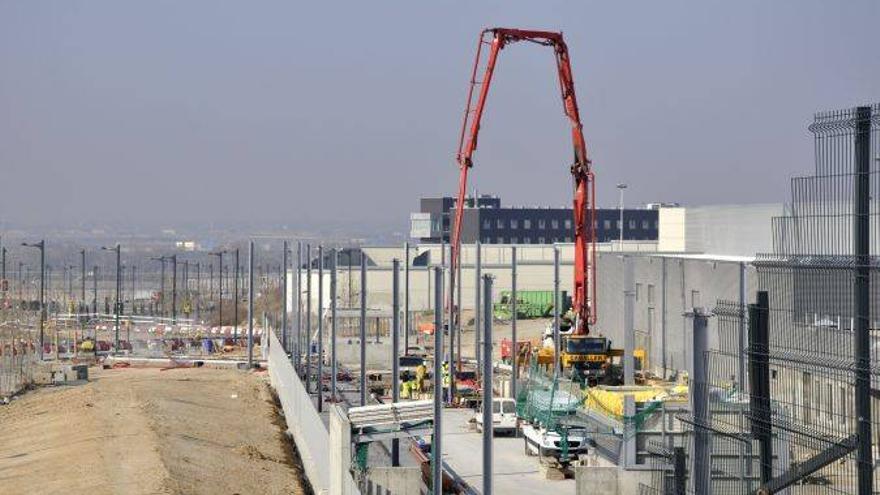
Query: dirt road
point(146, 431)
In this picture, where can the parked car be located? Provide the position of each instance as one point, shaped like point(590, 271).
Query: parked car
point(504, 418)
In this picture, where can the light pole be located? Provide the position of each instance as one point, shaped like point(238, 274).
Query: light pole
point(621, 187)
point(118, 250)
point(219, 254)
point(42, 247)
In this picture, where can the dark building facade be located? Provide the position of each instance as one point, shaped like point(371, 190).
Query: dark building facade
point(493, 224)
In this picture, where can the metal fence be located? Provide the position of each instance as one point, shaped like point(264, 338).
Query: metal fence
point(19, 355)
point(790, 403)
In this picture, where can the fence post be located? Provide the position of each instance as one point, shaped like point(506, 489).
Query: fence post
point(759, 386)
point(395, 350)
point(556, 307)
point(515, 350)
point(297, 346)
point(679, 473)
point(488, 429)
point(333, 364)
point(437, 381)
point(284, 342)
point(406, 321)
point(861, 241)
point(320, 377)
point(250, 339)
point(307, 338)
point(477, 306)
point(629, 313)
point(363, 329)
point(451, 325)
point(700, 403)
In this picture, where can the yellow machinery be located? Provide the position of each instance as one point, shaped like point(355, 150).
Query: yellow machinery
point(589, 359)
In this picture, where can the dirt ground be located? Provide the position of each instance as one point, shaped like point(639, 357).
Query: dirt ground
point(146, 431)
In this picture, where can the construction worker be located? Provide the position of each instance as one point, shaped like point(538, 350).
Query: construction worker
point(446, 378)
point(421, 374)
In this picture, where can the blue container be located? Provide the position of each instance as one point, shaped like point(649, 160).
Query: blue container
point(208, 345)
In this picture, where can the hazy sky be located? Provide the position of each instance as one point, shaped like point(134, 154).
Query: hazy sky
point(180, 111)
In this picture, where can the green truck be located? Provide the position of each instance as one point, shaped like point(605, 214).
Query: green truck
point(529, 304)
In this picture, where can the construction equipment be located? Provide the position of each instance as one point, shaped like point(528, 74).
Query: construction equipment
point(529, 304)
point(581, 170)
point(577, 347)
point(586, 359)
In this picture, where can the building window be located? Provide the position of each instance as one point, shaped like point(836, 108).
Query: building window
point(541, 224)
point(567, 239)
point(619, 224)
point(607, 224)
point(645, 225)
point(650, 294)
point(541, 240)
point(632, 225)
point(656, 224)
point(527, 224)
point(513, 240)
point(554, 224)
point(638, 291)
point(527, 240)
point(500, 240)
point(514, 224)
point(567, 223)
point(487, 225)
point(499, 223)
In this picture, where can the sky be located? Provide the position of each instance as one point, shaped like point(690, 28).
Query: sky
point(168, 112)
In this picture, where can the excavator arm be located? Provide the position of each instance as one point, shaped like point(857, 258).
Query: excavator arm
point(584, 205)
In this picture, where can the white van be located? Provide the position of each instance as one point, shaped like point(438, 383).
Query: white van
point(504, 418)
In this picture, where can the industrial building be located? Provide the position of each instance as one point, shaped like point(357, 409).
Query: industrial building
point(491, 223)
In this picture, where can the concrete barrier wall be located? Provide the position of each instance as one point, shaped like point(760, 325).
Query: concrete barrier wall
point(303, 422)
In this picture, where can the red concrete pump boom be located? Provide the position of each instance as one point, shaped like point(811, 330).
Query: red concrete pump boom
point(584, 296)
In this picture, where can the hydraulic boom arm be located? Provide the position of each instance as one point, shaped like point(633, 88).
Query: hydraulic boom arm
point(581, 171)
